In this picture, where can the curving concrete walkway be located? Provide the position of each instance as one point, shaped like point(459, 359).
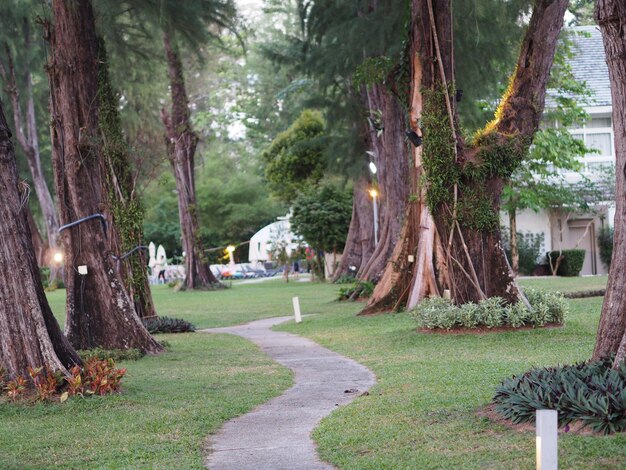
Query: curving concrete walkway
point(277, 434)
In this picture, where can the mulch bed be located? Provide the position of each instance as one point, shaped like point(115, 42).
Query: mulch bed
point(481, 330)
point(491, 414)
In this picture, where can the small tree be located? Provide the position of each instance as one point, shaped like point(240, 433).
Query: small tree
point(322, 217)
point(295, 158)
point(539, 181)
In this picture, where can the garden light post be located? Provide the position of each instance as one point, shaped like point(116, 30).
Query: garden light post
point(374, 195)
point(231, 264)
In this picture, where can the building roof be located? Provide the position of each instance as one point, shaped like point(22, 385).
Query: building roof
point(589, 64)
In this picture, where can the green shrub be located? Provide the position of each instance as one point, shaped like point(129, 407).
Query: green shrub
point(167, 325)
point(528, 247)
point(605, 240)
point(44, 273)
point(592, 393)
point(572, 262)
point(345, 279)
point(116, 355)
point(546, 307)
point(360, 290)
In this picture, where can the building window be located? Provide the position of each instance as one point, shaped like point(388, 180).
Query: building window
point(597, 133)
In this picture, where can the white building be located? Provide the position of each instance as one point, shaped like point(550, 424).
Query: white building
point(278, 232)
point(563, 231)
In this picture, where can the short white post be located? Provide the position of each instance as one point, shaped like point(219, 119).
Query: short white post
point(296, 309)
point(547, 434)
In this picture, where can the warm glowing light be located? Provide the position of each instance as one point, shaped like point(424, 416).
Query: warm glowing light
point(58, 257)
point(230, 248)
point(373, 193)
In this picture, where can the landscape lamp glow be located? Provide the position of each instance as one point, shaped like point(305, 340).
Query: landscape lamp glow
point(58, 257)
point(230, 248)
point(373, 193)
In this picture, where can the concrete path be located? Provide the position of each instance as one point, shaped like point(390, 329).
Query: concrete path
point(277, 435)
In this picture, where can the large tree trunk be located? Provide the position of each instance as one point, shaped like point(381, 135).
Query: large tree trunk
point(126, 208)
point(464, 183)
point(409, 274)
point(181, 145)
point(611, 338)
point(360, 241)
point(99, 311)
point(28, 139)
point(29, 334)
point(514, 246)
point(393, 176)
point(40, 247)
point(466, 210)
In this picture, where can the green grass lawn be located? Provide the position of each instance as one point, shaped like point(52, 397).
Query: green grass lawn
point(421, 414)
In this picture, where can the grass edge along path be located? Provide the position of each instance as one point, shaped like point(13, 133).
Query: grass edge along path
point(423, 412)
point(168, 405)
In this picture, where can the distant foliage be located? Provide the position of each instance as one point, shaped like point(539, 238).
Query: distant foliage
point(322, 217)
point(168, 325)
point(605, 240)
point(592, 393)
point(439, 313)
point(295, 159)
point(572, 262)
point(529, 247)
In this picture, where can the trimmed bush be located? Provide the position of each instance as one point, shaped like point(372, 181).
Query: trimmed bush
point(605, 240)
point(592, 393)
point(546, 307)
point(572, 262)
point(528, 247)
point(167, 325)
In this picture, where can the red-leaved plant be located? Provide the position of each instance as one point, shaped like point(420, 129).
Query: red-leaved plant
point(16, 387)
point(46, 384)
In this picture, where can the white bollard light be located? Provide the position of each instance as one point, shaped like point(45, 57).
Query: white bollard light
point(296, 309)
point(547, 433)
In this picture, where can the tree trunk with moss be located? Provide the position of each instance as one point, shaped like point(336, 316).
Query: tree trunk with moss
point(514, 246)
point(464, 180)
point(126, 210)
point(29, 334)
point(181, 147)
point(99, 311)
point(611, 337)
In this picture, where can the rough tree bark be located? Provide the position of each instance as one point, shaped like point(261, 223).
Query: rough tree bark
point(360, 240)
point(409, 274)
point(99, 311)
point(39, 245)
point(181, 144)
point(464, 182)
point(29, 334)
point(514, 247)
point(611, 337)
point(127, 212)
point(28, 139)
point(392, 175)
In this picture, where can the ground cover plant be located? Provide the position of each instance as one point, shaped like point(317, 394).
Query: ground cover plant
point(168, 325)
point(593, 394)
point(439, 313)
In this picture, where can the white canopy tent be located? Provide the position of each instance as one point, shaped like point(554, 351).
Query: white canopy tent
point(261, 242)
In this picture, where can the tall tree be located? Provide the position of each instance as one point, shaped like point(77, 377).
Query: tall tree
point(29, 334)
point(17, 76)
point(191, 23)
point(99, 310)
point(611, 337)
point(464, 180)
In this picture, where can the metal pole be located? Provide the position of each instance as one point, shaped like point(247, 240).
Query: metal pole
point(547, 437)
point(375, 219)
